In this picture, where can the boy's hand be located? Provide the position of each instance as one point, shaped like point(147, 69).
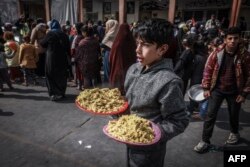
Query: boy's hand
point(207, 93)
point(240, 99)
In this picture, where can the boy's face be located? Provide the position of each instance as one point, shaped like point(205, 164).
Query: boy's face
point(148, 53)
point(232, 41)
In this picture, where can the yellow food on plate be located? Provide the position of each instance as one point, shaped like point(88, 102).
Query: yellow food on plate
point(131, 128)
point(103, 100)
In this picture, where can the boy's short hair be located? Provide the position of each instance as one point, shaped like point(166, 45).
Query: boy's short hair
point(8, 35)
point(26, 38)
point(187, 41)
point(159, 31)
point(232, 30)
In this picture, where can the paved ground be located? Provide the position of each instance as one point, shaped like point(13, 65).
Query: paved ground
point(35, 132)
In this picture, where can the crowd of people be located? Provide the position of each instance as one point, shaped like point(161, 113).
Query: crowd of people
point(152, 62)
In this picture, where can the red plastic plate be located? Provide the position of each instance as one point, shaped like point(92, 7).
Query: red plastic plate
point(121, 110)
point(157, 133)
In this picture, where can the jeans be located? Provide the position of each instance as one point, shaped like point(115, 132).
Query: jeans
point(106, 66)
point(203, 108)
point(214, 103)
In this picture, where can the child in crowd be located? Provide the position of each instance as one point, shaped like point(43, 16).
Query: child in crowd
point(12, 51)
point(154, 91)
point(27, 59)
point(4, 76)
point(87, 57)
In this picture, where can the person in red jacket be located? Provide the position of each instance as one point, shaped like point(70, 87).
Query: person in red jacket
point(226, 76)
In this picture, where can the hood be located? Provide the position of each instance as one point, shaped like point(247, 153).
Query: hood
point(163, 64)
point(55, 25)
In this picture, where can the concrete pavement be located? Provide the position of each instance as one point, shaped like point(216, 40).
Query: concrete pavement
point(35, 132)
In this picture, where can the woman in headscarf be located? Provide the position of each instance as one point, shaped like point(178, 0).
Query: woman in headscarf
point(122, 55)
point(57, 60)
point(107, 42)
point(37, 35)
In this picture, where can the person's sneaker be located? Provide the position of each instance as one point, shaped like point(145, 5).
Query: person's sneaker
point(25, 84)
point(35, 83)
point(188, 113)
point(201, 147)
point(197, 117)
point(233, 138)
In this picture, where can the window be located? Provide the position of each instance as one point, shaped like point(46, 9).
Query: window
point(107, 7)
point(89, 6)
point(131, 7)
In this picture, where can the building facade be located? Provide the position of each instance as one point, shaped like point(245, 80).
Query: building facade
point(82, 10)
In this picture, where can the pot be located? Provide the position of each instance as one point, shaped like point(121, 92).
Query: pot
point(196, 93)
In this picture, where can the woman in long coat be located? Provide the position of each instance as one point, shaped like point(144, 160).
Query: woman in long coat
point(57, 61)
point(122, 56)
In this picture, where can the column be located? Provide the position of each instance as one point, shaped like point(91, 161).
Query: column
point(171, 10)
point(122, 11)
point(80, 10)
point(236, 4)
point(47, 10)
point(20, 8)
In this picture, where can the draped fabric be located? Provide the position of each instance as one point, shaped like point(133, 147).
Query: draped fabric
point(8, 11)
point(122, 55)
point(63, 10)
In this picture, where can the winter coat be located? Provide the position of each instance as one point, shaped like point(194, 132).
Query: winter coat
point(242, 69)
point(87, 56)
point(28, 56)
point(10, 47)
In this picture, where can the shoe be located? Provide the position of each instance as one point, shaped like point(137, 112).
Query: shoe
point(56, 97)
point(201, 147)
point(197, 117)
point(79, 87)
point(233, 138)
point(188, 114)
point(25, 84)
point(52, 98)
point(35, 83)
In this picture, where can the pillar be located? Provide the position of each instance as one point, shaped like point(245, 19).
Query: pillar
point(80, 10)
point(235, 9)
point(122, 11)
point(47, 10)
point(171, 10)
point(20, 8)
